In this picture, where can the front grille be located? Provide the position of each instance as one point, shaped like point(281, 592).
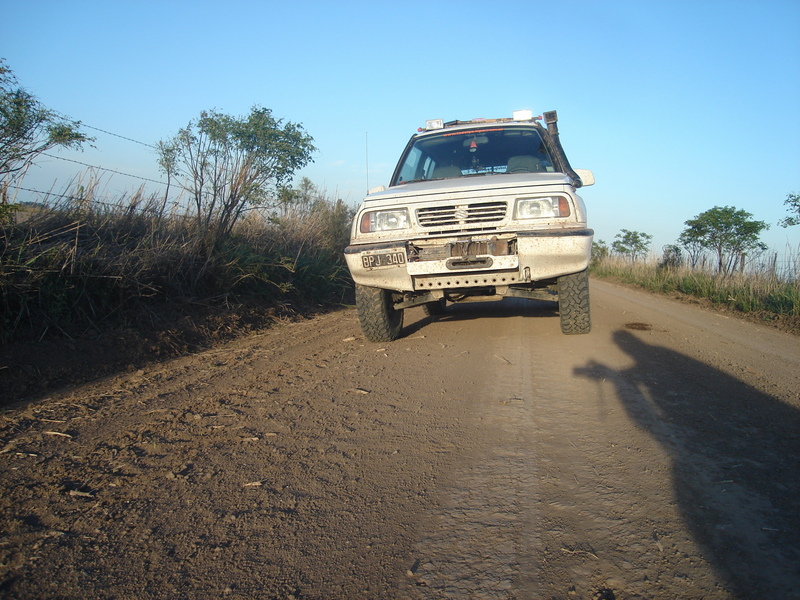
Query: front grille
point(461, 214)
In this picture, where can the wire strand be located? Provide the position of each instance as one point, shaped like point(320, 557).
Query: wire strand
point(77, 162)
point(82, 124)
point(47, 195)
point(119, 136)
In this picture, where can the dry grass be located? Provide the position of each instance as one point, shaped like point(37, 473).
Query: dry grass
point(75, 264)
point(761, 289)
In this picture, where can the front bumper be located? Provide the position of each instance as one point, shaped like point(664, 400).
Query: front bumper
point(536, 256)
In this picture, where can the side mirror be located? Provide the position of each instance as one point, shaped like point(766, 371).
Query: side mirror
point(587, 177)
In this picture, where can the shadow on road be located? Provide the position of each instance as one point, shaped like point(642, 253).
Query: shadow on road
point(735, 462)
point(505, 308)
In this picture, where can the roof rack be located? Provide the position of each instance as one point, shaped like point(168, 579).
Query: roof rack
point(519, 116)
point(477, 122)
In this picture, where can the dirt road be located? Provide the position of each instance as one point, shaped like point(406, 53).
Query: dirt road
point(483, 455)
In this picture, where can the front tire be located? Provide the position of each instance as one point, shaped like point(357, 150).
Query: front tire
point(573, 303)
point(435, 309)
point(379, 320)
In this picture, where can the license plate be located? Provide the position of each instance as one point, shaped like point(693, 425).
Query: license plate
point(384, 259)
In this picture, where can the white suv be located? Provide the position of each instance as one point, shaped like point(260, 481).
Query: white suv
point(482, 208)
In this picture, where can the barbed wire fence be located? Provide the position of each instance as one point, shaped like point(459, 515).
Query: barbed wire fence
point(175, 207)
point(120, 136)
point(107, 200)
point(98, 168)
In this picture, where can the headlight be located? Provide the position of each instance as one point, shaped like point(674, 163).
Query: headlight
point(541, 208)
point(384, 220)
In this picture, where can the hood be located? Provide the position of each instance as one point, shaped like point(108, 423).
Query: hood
point(487, 184)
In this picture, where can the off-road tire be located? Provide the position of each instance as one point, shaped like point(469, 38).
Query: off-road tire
point(573, 303)
point(434, 309)
point(380, 321)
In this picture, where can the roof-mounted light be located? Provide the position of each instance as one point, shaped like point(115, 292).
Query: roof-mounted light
point(434, 124)
point(522, 115)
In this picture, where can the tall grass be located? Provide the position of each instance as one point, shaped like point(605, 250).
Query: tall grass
point(75, 264)
point(759, 289)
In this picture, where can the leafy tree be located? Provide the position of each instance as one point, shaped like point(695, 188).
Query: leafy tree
point(793, 202)
point(301, 199)
point(27, 129)
point(672, 257)
point(230, 164)
point(727, 232)
point(599, 251)
point(633, 244)
point(168, 154)
point(694, 244)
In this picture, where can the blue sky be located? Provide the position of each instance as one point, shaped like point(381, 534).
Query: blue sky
point(677, 106)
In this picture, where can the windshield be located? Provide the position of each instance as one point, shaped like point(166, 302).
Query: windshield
point(474, 152)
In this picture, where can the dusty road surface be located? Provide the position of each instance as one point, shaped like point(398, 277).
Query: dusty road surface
point(483, 455)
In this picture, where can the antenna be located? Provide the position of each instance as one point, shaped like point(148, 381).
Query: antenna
point(366, 154)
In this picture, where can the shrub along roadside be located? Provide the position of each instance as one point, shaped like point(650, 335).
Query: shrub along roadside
point(760, 294)
point(88, 289)
point(77, 266)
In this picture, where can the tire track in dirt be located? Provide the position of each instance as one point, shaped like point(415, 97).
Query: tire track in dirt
point(476, 542)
